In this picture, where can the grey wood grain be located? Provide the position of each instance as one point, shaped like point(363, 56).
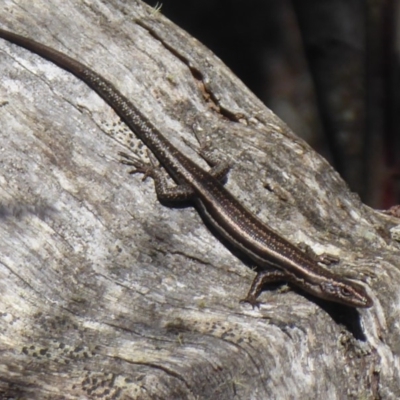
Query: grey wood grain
point(105, 293)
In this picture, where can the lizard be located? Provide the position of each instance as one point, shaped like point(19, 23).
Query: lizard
point(277, 258)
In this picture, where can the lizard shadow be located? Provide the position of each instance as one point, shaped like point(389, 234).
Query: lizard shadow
point(341, 314)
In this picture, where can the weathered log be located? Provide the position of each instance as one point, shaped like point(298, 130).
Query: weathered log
point(106, 293)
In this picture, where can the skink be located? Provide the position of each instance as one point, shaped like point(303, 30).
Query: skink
point(276, 258)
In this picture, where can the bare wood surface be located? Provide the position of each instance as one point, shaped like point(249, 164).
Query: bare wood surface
point(105, 293)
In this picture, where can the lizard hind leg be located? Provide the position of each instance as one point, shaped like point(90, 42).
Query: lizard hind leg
point(139, 165)
point(219, 167)
point(165, 193)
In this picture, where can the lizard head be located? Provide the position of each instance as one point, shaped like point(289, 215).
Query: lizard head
point(346, 292)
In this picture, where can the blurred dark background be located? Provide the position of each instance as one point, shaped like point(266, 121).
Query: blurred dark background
point(328, 68)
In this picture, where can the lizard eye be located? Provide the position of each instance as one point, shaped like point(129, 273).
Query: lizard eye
point(345, 292)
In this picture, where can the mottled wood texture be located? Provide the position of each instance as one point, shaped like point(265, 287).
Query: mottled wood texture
point(105, 293)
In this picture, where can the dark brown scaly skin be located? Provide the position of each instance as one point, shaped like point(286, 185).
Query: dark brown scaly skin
point(279, 259)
